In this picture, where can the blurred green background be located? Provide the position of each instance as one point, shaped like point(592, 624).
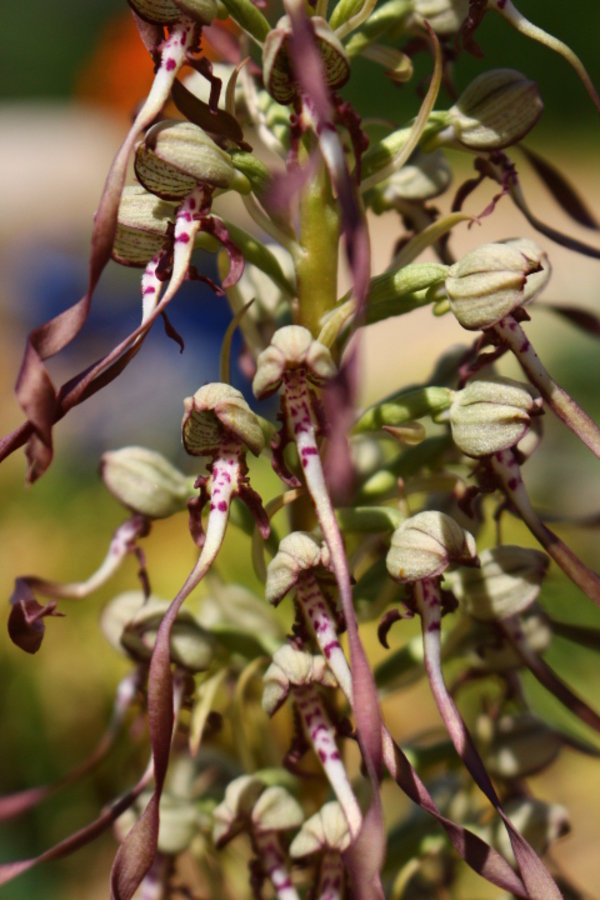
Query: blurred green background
point(61, 120)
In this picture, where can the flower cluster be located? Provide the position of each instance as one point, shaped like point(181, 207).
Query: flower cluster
point(381, 524)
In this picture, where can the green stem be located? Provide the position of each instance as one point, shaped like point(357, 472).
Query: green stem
point(317, 256)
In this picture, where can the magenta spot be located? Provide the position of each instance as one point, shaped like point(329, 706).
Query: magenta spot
point(334, 755)
point(192, 203)
point(322, 756)
point(513, 483)
point(183, 238)
point(524, 346)
point(212, 506)
point(222, 506)
point(320, 727)
point(309, 451)
point(170, 64)
point(333, 645)
point(149, 290)
point(433, 626)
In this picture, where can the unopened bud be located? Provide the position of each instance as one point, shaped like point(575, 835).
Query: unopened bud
point(488, 283)
point(144, 481)
point(130, 622)
point(507, 583)
point(291, 347)
point(167, 12)
point(492, 414)
point(278, 68)
point(327, 830)
point(215, 412)
point(426, 544)
point(425, 176)
point(175, 157)
point(249, 803)
point(298, 552)
point(292, 668)
point(496, 110)
point(518, 746)
point(444, 16)
point(142, 227)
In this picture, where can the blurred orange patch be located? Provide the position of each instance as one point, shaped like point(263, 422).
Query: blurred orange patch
point(119, 72)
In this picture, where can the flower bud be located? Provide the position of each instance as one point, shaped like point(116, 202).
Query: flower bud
point(142, 227)
point(292, 668)
point(215, 412)
point(167, 12)
point(130, 622)
point(179, 823)
point(425, 176)
point(537, 280)
point(248, 802)
point(518, 746)
point(506, 584)
point(278, 69)
point(175, 157)
point(426, 544)
point(325, 831)
point(496, 110)
point(488, 283)
point(492, 414)
point(144, 481)
point(298, 552)
point(444, 16)
point(291, 347)
point(493, 654)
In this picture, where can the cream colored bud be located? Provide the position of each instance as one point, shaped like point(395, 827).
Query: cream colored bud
point(278, 76)
point(249, 802)
point(175, 157)
point(144, 481)
point(142, 227)
point(325, 831)
point(425, 176)
point(298, 552)
point(536, 281)
point(496, 110)
point(240, 796)
point(492, 414)
point(276, 810)
point(426, 544)
point(130, 623)
point(292, 668)
point(292, 347)
point(518, 746)
point(488, 283)
point(179, 824)
point(216, 412)
point(507, 583)
point(444, 16)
